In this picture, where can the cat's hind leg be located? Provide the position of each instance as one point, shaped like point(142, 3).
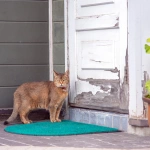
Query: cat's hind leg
point(24, 115)
point(28, 118)
point(24, 110)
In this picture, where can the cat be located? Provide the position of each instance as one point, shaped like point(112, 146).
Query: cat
point(49, 95)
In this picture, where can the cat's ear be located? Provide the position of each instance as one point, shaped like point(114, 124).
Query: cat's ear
point(55, 74)
point(67, 73)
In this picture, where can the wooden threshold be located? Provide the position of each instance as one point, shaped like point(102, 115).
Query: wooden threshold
point(107, 109)
point(138, 122)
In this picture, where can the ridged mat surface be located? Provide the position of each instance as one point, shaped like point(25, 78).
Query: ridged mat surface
point(66, 127)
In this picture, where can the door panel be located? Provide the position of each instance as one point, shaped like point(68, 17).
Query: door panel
point(97, 22)
point(97, 44)
point(89, 3)
point(96, 51)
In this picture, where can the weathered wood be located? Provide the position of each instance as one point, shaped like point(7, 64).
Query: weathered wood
point(96, 46)
point(107, 109)
point(89, 3)
point(138, 122)
point(101, 22)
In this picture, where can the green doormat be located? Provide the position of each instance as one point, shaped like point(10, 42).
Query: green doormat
point(66, 127)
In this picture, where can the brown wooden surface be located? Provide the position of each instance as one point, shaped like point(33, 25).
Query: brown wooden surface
point(147, 100)
point(149, 114)
point(108, 109)
point(138, 122)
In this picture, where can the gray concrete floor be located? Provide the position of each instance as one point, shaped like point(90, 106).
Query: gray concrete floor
point(118, 140)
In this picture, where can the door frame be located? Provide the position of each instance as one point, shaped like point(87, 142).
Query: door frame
point(135, 59)
point(50, 25)
point(71, 65)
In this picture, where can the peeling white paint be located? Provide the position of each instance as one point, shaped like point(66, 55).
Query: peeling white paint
point(89, 3)
point(106, 91)
point(94, 51)
point(86, 87)
point(102, 91)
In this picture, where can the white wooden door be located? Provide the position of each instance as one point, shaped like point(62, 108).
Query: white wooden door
point(96, 45)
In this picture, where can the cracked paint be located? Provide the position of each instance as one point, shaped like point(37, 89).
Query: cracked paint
point(99, 59)
point(86, 87)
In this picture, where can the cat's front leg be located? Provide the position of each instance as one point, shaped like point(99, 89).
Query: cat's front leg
point(53, 109)
point(58, 112)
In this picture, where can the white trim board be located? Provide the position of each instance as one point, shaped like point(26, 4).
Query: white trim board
point(135, 59)
point(50, 41)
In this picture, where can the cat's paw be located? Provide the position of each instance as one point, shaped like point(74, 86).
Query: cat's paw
point(30, 121)
point(26, 122)
point(58, 120)
point(52, 120)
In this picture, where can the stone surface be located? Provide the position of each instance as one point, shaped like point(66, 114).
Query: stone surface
point(116, 122)
point(117, 140)
point(123, 123)
point(93, 118)
point(108, 120)
point(84, 116)
point(100, 119)
point(119, 121)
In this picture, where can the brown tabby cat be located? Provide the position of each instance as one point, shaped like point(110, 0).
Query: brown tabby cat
point(49, 95)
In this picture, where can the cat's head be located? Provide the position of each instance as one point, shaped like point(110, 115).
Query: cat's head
point(61, 80)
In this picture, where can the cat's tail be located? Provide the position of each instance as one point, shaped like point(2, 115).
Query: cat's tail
point(13, 115)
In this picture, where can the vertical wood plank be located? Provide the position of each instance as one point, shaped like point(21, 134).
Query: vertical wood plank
point(71, 48)
point(135, 58)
